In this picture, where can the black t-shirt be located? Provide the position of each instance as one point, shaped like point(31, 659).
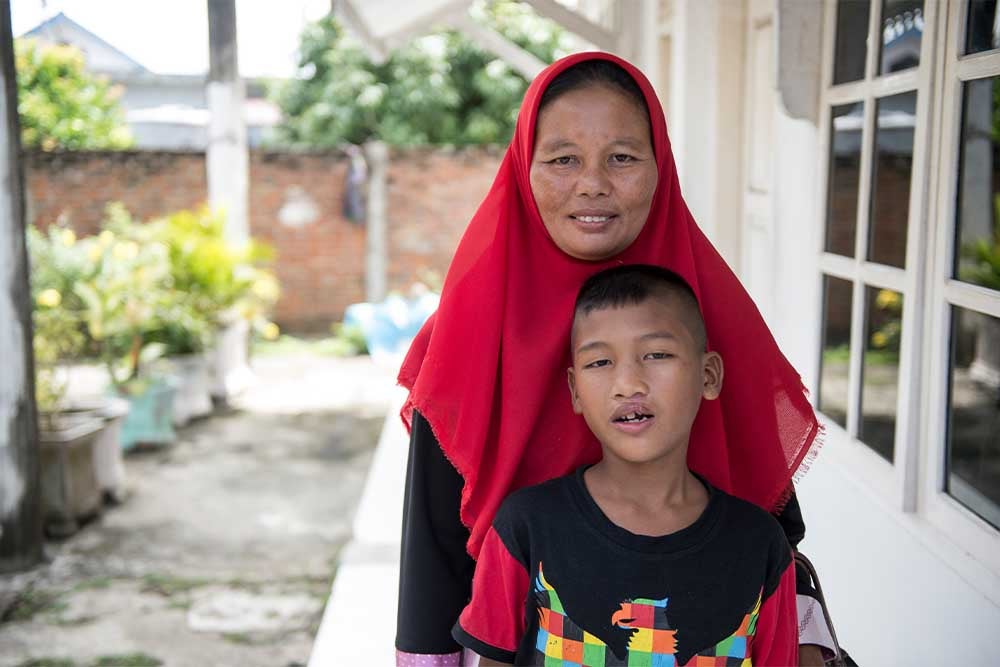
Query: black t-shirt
point(435, 577)
point(558, 583)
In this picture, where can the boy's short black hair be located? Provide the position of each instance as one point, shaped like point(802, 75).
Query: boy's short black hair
point(632, 284)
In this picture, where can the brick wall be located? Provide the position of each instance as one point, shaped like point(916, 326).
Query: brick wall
point(321, 266)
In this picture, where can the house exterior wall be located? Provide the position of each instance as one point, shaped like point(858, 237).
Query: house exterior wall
point(902, 589)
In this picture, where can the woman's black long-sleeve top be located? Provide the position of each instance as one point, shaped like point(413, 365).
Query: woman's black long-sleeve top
point(435, 576)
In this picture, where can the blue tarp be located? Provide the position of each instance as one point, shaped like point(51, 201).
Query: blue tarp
point(389, 326)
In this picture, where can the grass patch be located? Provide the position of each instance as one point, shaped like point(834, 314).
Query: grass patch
point(178, 603)
point(242, 638)
point(168, 585)
point(286, 345)
point(32, 602)
point(128, 660)
point(95, 584)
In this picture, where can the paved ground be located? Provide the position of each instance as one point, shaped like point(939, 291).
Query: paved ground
point(225, 550)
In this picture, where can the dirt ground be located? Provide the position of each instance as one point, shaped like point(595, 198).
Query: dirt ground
point(224, 551)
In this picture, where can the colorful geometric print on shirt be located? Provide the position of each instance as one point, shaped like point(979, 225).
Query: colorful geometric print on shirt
point(719, 592)
point(652, 642)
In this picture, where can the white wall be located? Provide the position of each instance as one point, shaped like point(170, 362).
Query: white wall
point(707, 115)
point(901, 592)
point(893, 599)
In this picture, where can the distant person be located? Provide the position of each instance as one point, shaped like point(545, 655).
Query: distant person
point(635, 559)
point(588, 182)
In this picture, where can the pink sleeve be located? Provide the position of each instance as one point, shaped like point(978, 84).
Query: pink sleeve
point(494, 616)
point(776, 640)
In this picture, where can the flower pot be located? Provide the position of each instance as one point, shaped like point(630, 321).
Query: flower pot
point(150, 415)
point(70, 492)
point(231, 372)
point(193, 396)
point(109, 464)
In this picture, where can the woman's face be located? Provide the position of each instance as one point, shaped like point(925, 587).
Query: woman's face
point(593, 172)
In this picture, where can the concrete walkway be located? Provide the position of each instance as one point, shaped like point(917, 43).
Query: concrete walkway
point(224, 552)
point(359, 623)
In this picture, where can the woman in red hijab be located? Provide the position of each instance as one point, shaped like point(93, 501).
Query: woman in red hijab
point(488, 409)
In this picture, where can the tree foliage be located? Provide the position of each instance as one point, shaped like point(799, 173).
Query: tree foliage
point(61, 105)
point(438, 89)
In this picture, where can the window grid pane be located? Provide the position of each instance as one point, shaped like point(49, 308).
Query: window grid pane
point(977, 219)
point(892, 170)
point(852, 40)
point(902, 35)
point(880, 371)
point(846, 128)
point(982, 33)
point(836, 349)
point(973, 460)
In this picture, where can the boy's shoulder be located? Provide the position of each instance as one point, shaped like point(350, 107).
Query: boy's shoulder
point(530, 500)
point(749, 515)
point(752, 525)
point(531, 509)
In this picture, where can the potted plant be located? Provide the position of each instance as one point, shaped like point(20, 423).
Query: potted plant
point(224, 290)
point(68, 439)
point(125, 298)
point(200, 259)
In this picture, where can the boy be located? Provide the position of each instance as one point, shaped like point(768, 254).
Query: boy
point(634, 560)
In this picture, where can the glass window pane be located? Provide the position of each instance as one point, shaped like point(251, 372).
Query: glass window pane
point(880, 373)
point(974, 413)
point(846, 122)
point(902, 34)
point(891, 172)
point(982, 31)
point(977, 226)
point(835, 360)
point(852, 40)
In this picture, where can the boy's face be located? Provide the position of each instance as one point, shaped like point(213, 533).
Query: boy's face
point(638, 377)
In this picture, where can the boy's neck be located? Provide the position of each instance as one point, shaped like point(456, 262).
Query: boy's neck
point(656, 498)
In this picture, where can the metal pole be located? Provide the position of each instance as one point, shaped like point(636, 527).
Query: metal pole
point(20, 484)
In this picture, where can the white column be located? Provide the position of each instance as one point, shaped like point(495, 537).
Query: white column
point(227, 158)
point(20, 508)
point(376, 246)
point(228, 169)
point(707, 103)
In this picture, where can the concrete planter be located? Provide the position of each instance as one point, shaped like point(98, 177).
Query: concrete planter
point(109, 463)
point(231, 370)
point(193, 380)
point(70, 491)
point(150, 416)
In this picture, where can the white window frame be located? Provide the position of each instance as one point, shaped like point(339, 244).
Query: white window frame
point(895, 483)
point(913, 485)
point(944, 512)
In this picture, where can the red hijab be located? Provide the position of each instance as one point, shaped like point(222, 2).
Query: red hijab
point(488, 370)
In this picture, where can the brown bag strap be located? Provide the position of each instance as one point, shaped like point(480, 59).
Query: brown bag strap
point(802, 560)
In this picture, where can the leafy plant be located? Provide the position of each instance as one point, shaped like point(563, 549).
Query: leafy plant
point(439, 89)
point(350, 339)
point(61, 105)
point(126, 296)
point(213, 279)
point(56, 264)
